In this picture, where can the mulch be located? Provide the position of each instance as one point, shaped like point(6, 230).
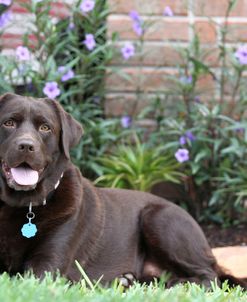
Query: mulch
point(230, 236)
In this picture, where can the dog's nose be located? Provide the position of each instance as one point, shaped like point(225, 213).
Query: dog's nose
point(26, 146)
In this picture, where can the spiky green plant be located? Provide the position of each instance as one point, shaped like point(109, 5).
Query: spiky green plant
point(138, 167)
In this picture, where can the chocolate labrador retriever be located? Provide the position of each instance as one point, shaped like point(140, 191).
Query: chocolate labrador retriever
point(51, 216)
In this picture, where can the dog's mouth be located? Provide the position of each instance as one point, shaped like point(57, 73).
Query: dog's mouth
point(22, 177)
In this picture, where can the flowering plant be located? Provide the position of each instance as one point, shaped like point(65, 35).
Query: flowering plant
point(206, 134)
point(210, 137)
point(5, 14)
point(140, 27)
point(64, 58)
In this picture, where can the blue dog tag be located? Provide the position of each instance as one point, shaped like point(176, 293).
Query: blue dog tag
point(29, 230)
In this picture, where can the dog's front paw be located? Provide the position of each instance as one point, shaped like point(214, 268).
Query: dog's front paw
point(127, 280)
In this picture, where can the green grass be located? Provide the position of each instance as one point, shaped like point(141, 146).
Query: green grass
point(26, 289)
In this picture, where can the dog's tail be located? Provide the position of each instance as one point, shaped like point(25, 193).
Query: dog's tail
point(224, 275)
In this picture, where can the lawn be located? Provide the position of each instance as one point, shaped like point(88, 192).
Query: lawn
point(18, 289)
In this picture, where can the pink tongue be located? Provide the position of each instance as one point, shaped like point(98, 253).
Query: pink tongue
point(25, 176)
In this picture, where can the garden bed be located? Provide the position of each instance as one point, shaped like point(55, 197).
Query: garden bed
point(220, 237)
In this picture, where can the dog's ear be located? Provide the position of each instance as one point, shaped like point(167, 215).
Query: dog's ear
point(7, 96)
point(71, 130)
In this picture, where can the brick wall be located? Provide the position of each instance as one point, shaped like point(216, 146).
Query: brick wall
point(12, 36)
point(161, 42)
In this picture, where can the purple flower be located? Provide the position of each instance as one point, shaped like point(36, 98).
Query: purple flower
point(168, 12)
point(240, 129)
point(96, 100)
point(190, 136)
point(71, 25)
point(51, 89)
point(30, 87)
point(89, 42)
point(197, 99)
point(128, 50)
point(135, 16)
point(182, 140)
point(241, 54)
point(182, 155)
point(5, 2)
point(87, 6)
point(67, 74)
point(22, 53)
point(126, 121)
point(137, 27)
point(5, 18)
point(137, 22)
point(186, 80)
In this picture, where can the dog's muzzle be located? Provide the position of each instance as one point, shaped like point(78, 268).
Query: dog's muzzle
point(22, 177)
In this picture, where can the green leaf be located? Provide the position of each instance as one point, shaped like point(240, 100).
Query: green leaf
point(204, 153)
point(195, 167)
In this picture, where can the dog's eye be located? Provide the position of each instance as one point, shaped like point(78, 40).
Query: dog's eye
point(44, 128)
point(10, 123)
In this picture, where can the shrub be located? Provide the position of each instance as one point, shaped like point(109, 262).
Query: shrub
point(212, 131)
point(205, 133)
point(137, 166)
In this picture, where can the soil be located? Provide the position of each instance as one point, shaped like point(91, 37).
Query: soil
point(219, 237)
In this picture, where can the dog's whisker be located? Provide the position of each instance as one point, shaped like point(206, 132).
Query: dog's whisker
point(57, 184)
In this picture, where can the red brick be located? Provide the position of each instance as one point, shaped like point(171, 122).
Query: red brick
point(14, 40)
point(206, 85)
point(118, 104)
point(10, 40)
point(155, 54)
point(153, 80)
point(237, 32)
point(150, 79)
point(162, 30)
point(219, 7)
point(18, 8)
point(210, 56)
point(58, 9)
point(206, 31)
point(154, 7)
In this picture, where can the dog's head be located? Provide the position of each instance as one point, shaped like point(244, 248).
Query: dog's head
point(34, 134)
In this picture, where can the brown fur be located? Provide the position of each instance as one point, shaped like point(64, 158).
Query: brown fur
point(109, 231)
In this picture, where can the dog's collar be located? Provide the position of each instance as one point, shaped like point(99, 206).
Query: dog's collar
point(51, 193)
point(29, 229)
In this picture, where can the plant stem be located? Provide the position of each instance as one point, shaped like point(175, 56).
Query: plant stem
point(139, 79)
point(186, 99)
point(222, 47)
point(234, 94)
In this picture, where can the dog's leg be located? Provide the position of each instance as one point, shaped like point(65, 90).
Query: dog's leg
point(175, 243)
